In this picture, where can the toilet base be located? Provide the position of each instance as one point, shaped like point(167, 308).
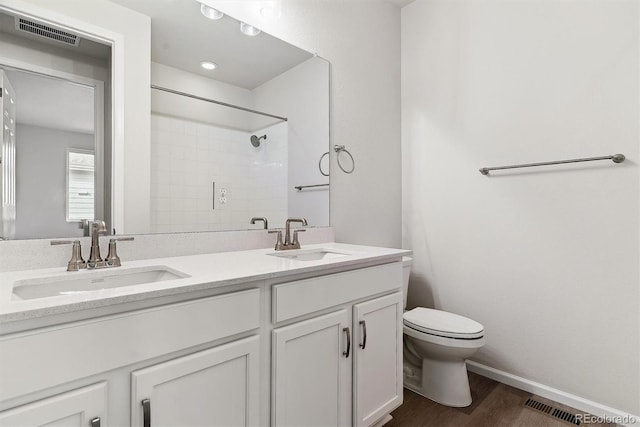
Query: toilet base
point(444, 382)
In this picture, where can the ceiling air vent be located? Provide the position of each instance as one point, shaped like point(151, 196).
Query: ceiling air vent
point(46, 31)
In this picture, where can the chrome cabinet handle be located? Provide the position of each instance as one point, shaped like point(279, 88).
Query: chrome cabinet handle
point(95, 422)
point(146, 413)
point(348, 351)
point(364, 334)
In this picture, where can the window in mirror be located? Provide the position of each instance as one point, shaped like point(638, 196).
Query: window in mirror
point(80, 185)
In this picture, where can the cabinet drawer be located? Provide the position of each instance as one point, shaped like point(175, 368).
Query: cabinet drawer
point(302, 297)
point(78, 350)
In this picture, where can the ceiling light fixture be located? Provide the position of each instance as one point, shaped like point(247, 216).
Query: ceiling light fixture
point(249, 30)
point(208, 65)
point(210, 12)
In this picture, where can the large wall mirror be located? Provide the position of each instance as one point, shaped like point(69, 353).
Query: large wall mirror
point(239, 126)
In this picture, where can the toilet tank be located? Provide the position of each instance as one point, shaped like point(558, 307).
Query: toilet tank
point(406, 271)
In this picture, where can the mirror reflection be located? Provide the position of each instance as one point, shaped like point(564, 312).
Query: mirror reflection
point(239, 119)
point(214, 166)
point(53, 143)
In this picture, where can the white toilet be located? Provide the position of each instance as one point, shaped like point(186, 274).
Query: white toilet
point(436, 346)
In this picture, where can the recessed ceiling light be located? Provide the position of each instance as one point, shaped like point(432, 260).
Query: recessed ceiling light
point(208, 65)
point(210, 12)
point(249, 30)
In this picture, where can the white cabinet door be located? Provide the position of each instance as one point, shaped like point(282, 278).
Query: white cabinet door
point(378, 358)
point(84, 407)
point(215, 387)
point(312, 372)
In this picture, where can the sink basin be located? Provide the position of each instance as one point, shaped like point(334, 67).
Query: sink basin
point(87, 281)
point(310, 254)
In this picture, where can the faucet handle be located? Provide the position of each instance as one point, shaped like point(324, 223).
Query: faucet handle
point(279, 245)
point(76, 262)
point(63, 242)
point(296, 243)
point(112, 259)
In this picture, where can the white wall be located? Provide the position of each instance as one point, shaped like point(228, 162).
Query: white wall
point(135, 29)
point(41, 181)
point(545, 258)
point(302, 95)
point(361, 40)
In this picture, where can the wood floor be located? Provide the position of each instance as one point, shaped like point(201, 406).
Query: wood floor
point(494, 405)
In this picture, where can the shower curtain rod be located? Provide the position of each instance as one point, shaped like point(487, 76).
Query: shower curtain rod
point(213, 101)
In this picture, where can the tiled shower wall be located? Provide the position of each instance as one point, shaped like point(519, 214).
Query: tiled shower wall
point(188, 157)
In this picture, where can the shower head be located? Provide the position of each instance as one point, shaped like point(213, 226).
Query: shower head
point(255, 141)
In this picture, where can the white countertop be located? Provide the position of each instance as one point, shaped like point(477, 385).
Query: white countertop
point(206, 271)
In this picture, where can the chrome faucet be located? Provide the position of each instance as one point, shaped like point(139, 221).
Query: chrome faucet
point(263, 219)
point(96, 228)
point(288, 242)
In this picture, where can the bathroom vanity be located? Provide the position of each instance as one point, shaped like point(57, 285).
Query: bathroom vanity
point(259, 337)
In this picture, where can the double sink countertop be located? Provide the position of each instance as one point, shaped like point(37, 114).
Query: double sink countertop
point(34, 294)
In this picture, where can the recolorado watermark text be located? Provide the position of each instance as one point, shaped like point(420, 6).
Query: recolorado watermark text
point(602, 419)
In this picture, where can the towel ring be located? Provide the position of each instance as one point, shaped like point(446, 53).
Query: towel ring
point(320, 164)
point(340, 148)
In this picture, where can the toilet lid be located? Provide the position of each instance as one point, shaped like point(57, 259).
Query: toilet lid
point(442, 323)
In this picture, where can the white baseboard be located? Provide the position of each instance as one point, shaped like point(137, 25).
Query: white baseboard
point(579, 403)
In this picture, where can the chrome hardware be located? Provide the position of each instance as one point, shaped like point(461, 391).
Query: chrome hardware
point(95, 261)
point(320, 164)
point(76, 262)
point(255, 219)
point(341, 149)
point(95, 422)
point(279, 244)
point(302, 187)
point(287, 236)
point(296, 243)
point(616, 158)
point(84, 225)
point(112, 259)
point(213, 101)
point(146, 413)
point(348, 350)
point(96, 228)
point(364, 334)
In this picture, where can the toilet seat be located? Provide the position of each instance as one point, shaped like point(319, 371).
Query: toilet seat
point(443, 324)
